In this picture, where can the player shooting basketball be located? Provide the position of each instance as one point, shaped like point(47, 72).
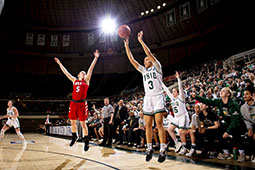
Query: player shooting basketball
point(78, 106)
point(154, 100)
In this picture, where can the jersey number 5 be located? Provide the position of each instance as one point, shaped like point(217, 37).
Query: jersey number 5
point(77, 89)
point(151, 86)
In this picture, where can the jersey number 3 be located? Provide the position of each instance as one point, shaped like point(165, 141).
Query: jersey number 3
point(77, 89)
point(151, 86)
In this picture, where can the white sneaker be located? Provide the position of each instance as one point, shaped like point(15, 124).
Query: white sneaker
point(253, 161)
point(178, 147)
point(191, 152)
point(183, 151)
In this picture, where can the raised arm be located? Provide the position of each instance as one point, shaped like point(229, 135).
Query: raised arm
point(181, 91)
point(130, 55)
point(148, 52)
point(145, 47)
point(91, 68)
point(68, 75)
point(167, 91)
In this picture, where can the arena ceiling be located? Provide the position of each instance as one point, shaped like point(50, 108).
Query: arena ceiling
point(81, 17)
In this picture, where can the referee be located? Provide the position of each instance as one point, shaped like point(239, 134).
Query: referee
point(107, 113)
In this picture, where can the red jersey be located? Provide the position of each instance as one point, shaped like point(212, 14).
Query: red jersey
point(80, 89)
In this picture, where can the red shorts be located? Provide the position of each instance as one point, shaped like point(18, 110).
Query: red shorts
point(78, 111)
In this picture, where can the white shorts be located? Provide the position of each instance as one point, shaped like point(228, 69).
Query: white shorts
point(154, 104)
point(182, 122)
point(14, 123)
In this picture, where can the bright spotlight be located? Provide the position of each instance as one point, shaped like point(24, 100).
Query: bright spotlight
point(108, 25)
point(152, 10)
point(146, 12)
point(159, 7)
point(164, 4)
point(142, 13)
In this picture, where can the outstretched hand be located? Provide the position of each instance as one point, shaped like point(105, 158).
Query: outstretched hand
point(126, 42)
point(140, 36)
point(97, 53)
point(177, 75)
point(57, 60)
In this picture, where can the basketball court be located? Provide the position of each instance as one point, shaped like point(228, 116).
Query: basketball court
point(55, 153)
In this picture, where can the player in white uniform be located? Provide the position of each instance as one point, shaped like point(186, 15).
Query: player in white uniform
point(181, 116)
point(154, 100)
point(12, 115)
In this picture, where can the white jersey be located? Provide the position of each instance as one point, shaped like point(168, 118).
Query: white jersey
point(179, 107)
point(152, 79)
point(10, 112)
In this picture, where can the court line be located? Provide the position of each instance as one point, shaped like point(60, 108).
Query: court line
point(64, 154)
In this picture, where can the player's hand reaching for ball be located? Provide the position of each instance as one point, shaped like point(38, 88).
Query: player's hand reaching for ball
point(57, 60)
point(126, 42)
point(97, 53)
point(140, 36)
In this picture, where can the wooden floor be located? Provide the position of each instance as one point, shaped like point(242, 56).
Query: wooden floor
point(54, 153)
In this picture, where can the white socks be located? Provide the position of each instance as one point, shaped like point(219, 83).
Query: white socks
point(149, 146)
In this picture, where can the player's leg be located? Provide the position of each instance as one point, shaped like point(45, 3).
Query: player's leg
point(184, 120)
point(161, 133)
point(83, 115)
point(171, 131)
point(85, 135)
point(148, 123)
point(192, 151)
point(74, 135)
point(5, 128)
point(73, 118)
point(20, 135)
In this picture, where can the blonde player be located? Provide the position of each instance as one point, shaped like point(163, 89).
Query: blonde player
point(154, 100)
point(181, 117)
point(12, 115)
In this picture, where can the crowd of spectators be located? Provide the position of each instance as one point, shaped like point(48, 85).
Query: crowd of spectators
point(214, 96)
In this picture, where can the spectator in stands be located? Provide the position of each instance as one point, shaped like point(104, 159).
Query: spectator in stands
point(107, 112)
point(120, 118)
point(193, 129)
point(140, 131)
point(129, 129)
point(248, 112)
point(232, 124)
point(93, 126)
point(209, 128)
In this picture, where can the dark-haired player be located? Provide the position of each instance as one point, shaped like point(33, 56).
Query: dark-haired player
point(154, 100)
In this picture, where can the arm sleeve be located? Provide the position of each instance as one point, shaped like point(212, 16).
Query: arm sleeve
point(235, 119)
point(158, 66)
point(210, 102)
point(247, 122)
point(141, 69)
point(111, 110)
point(181, 91)
point(167, 91)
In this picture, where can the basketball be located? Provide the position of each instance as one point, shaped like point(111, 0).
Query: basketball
point(124, 31)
